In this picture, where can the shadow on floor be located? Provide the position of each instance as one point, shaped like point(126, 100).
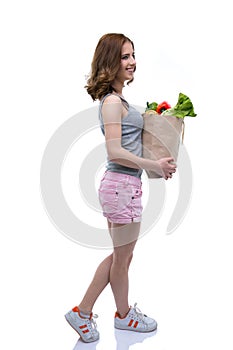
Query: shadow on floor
point(124, 339)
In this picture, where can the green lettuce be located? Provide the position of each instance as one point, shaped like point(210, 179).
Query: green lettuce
point(183, 108)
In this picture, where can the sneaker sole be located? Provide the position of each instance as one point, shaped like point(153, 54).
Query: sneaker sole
point(68, 319)
point(126, 328)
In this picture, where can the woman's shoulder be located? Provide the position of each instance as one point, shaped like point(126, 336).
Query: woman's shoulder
point(111, 98)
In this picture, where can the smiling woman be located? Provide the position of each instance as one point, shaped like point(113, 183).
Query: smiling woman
point(128, 63)
point(113, 54)
point(120, 190)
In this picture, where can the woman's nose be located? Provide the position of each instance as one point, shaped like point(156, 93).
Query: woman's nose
point(132, 60)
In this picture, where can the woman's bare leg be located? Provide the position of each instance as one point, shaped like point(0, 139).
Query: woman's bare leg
point(99, 282)
point(112, 267)
point(124, 238)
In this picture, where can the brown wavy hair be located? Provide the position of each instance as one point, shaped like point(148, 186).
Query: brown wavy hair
point(105, 65)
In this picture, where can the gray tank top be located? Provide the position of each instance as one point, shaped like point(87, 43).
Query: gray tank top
point(131, 138)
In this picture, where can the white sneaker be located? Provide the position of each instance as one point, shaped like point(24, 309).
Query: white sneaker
point(86, 327)
point(135, 321)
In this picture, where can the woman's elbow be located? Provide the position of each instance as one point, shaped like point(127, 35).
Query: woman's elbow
point(113, 153)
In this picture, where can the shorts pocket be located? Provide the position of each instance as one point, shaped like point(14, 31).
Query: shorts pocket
point(136, 193)
point(108, 199)
point(137, 202)
point(125, 195)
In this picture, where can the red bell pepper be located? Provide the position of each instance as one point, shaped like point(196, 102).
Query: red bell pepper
point(162, 107)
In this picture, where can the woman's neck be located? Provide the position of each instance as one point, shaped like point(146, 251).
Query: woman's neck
point(118, 87)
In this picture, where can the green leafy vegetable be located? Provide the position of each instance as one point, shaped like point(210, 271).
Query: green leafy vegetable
point(183, 108)
point(152, 106)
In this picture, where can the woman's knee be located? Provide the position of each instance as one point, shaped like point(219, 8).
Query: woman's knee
point(122, 259)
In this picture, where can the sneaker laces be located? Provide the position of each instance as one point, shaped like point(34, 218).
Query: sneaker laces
point(93, 322)
point(139, 312)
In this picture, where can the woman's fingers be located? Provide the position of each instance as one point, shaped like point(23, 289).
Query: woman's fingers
point(171, 169)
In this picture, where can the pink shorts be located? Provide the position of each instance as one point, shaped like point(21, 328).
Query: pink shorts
point(120, 197)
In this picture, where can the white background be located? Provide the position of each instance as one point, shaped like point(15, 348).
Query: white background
point(183, 280)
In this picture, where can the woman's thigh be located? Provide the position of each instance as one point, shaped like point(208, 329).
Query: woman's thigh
point(124, 235)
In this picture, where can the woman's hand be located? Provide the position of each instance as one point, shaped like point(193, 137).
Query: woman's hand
point(167, 167)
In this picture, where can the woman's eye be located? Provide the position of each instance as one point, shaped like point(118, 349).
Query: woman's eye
point(126, 57)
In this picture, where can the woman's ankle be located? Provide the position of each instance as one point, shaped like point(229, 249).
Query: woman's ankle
point(122, 313)
point(84, 313)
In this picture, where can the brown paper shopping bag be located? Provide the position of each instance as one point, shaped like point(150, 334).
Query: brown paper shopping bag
point(161, 137)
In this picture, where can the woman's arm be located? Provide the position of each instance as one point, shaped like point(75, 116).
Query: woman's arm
point(112, 111)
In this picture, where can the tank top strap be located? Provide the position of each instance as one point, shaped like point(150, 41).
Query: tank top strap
point(123, 100)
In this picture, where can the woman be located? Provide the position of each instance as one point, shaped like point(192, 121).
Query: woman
point(120, 189)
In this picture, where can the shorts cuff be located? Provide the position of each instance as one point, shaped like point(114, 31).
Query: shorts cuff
point(125, 221)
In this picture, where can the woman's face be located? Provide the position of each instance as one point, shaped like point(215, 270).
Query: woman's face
point(128, 63)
